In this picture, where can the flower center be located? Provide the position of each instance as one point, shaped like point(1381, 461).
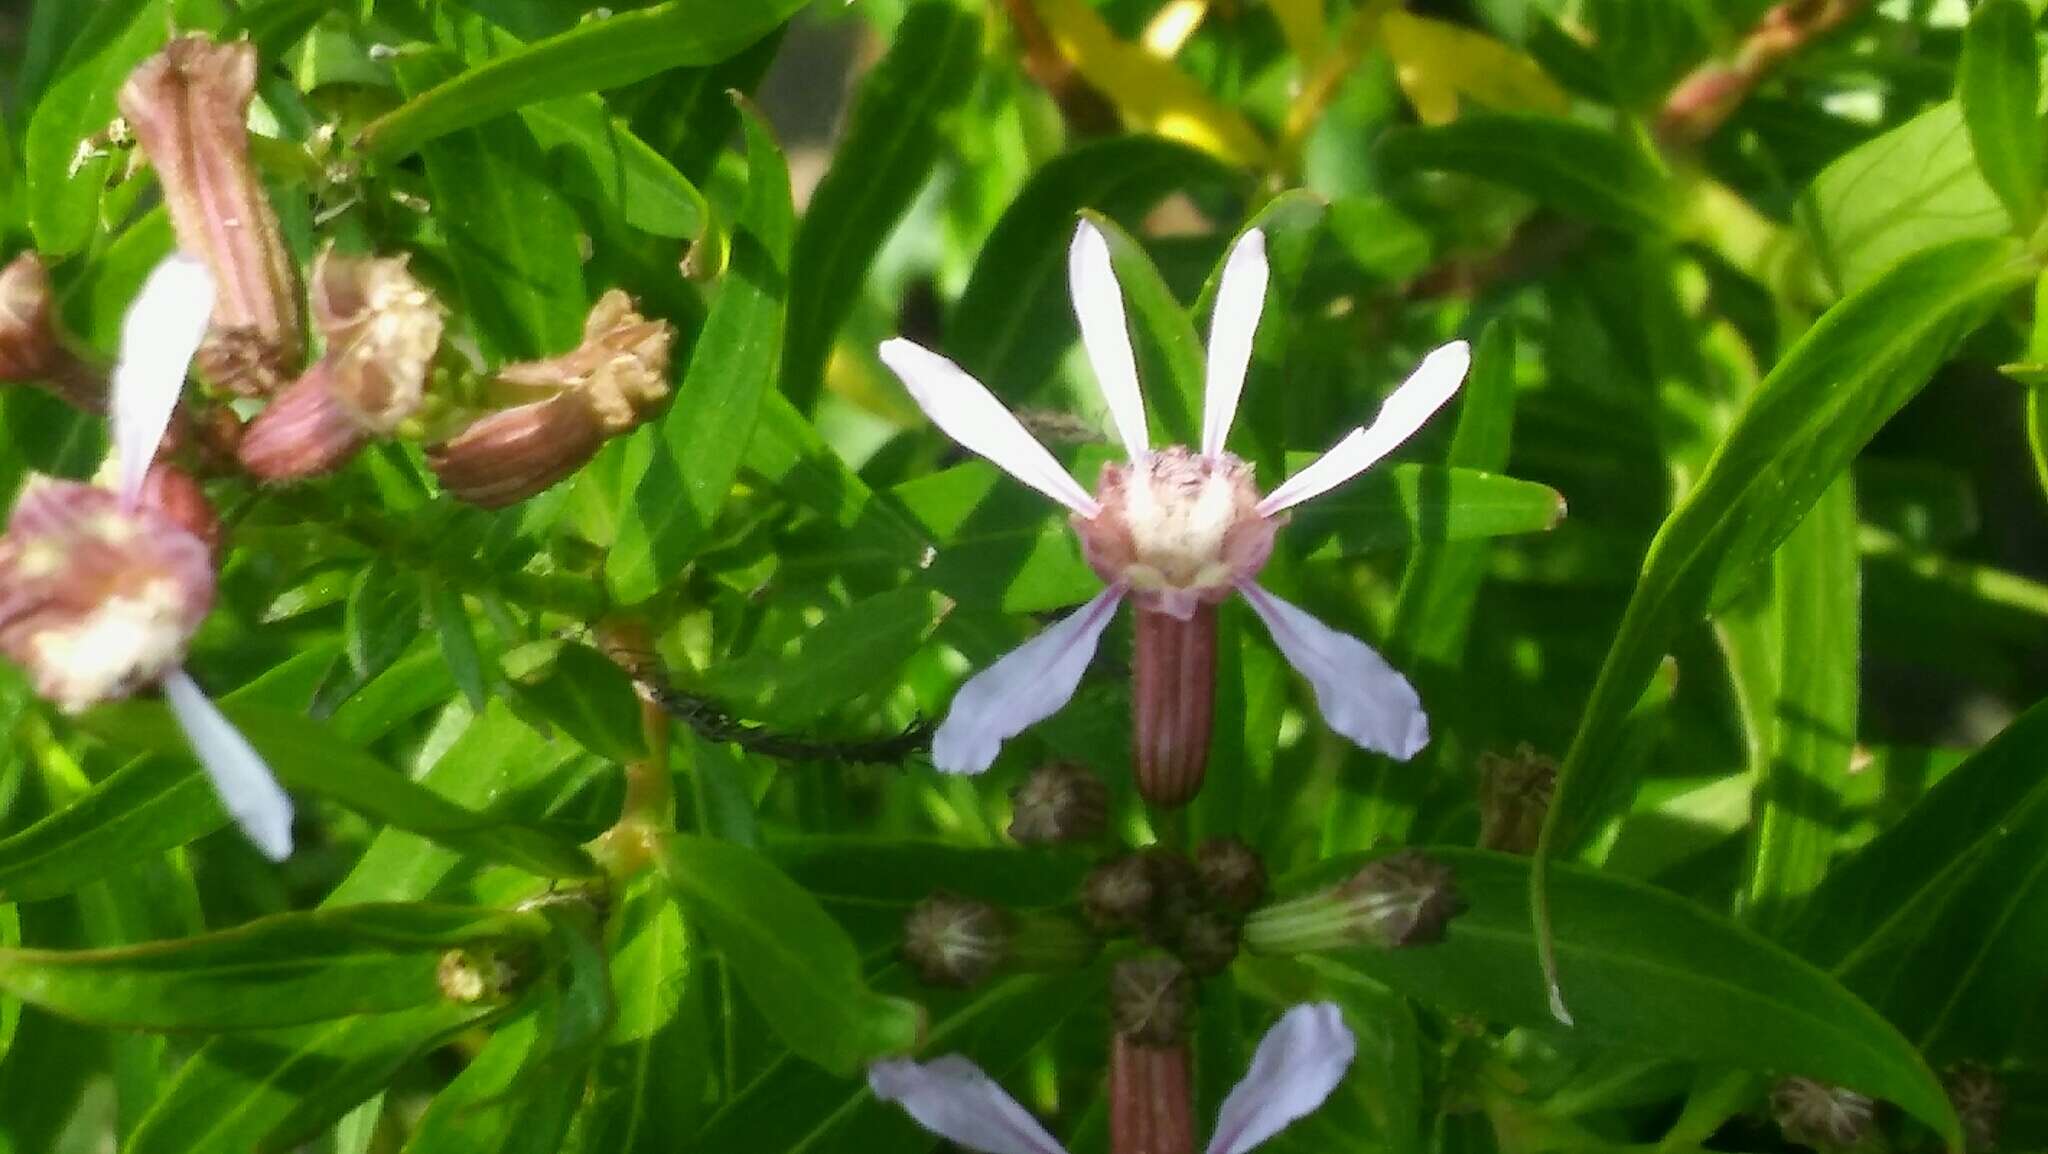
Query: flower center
point(1178, 528)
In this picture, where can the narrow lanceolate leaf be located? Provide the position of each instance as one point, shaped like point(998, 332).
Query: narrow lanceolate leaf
point(1797, 803)
point(1800, 429)
point(1659, 974)
point(1014, 322)
point(596, 54)
point(507, 1100)
point(797, 965)
point(1942, 920)
point(284, 970)
point(843, 657)
point(65, 177)
point(891, 141)
point(511, 235)
point(1577, 169)
point(1999, 85)
point(305, 755)
point(649, 1083)
point(703, 437)
point(272, 1090)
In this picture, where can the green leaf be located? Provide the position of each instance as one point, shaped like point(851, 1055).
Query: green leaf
point(283, 970)
point(1410, 504)
point(145, 807)
point(272, 1090)
point(1999, 86)
point(649, 1084)
point(1803, 425)
point(465, 663)
point(646, 189)
point(1942, 920)
point(596, 54)
point(1798, 801)
point(590, 698)
point(496, 1105)
point(1653, 972)
point(701, 440)
point(305, 755)
point(1014, 323)
point(64, 205)
point(511, 235)
point(1908, 190)
point(797, 965)
point(1586, 172)
point(891, 141)
point(846, 656)
point(381, 619)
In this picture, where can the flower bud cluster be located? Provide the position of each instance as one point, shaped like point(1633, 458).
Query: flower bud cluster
point(1193, 909)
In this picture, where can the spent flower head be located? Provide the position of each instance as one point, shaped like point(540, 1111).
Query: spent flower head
point(101, 590)
point(1172, 530)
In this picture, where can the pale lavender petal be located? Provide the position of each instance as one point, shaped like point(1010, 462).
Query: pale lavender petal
point(952, 1098)
point(1299, 1061)
point(1106, 334)
point(1028, 685)
point(971, 415)
point(248, 791)
point(159, 337)
point(1432, 383)
point(1240, 298)
point(1360, 695)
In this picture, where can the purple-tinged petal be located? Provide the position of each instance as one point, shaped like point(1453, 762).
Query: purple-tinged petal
point(248, 791)
point(1299, 1061)
point(159, 337)
point(1360, 695)
point(1106, 334)
point(952, 1098)
point(1028, 685)
point(970, 414)
point(1424, 392)
point(1240, 298)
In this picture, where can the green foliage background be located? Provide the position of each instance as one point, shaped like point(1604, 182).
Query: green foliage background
point(1785, 645)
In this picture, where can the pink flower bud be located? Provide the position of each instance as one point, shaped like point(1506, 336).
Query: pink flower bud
point(97, 601)
point(189, 108)
point(304, 431)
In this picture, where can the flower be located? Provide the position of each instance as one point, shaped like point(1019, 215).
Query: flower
point(1297, 1064)
point(1175, 531)
point(101, 590)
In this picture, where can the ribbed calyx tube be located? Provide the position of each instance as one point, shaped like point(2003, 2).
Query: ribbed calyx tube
point(1173, 704)
point(1151, 1100)
point(189, 108)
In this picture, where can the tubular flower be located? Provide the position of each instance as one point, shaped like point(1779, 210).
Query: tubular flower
point(1298, 1063)
point(101, 590)
point(1175, 531)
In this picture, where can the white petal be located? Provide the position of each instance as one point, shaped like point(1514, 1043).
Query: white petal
point(1432, 383)
point(252, 797)
point(971, 415)
point(1360, 695)
point(1299, 1061)
point(1027, 686)
point(1240, 298)
point(1106, 334)
point(952, 1098)
point(159, 337)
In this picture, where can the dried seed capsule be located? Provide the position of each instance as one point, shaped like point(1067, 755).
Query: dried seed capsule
point(1825, 1117)
point(1059, 803)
